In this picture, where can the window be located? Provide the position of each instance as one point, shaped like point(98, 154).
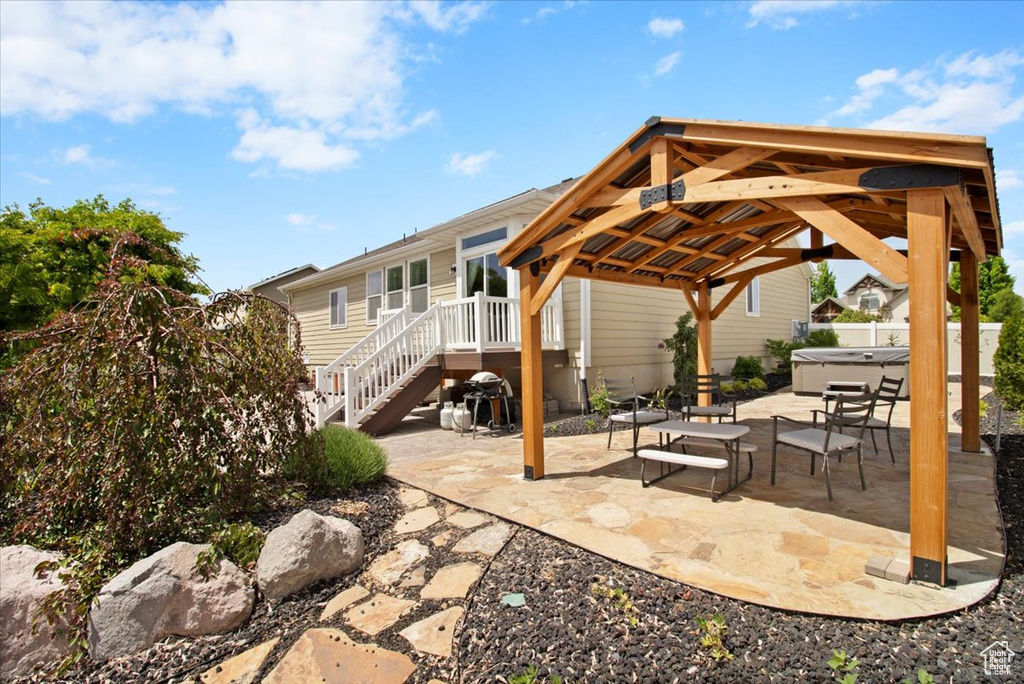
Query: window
point(484, 238)
point(338, 304)
point(870, 302)
point(485, 274)
point(396, 286)
point(754, 297)
point(419, 286)
point(374, 295)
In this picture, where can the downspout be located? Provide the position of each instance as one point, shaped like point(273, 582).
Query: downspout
point(584, 343)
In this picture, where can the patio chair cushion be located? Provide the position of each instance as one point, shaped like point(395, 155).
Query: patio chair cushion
point(709, 410)
point(642, 417)
point(814, 440)
point(876, 423)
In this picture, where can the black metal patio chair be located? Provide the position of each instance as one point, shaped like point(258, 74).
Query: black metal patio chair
point(626, 406)
point(692, 387)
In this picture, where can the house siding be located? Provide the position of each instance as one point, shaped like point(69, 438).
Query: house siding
point(310, 306)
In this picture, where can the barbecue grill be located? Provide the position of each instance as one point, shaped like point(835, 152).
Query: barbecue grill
point(485, 386)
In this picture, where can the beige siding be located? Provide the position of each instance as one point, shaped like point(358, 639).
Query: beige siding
point(784, 298)
point(311, 306)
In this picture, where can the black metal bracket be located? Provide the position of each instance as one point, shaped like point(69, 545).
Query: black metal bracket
point(528, 472)
point(926, 570)
point(655, 127)
point(535, 268)
point(910, 176)
point(716, 282)
point(675, 192)
point(530, 255)
point(818, 253)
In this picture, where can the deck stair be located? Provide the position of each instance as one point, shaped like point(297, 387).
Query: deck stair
point(374, 384)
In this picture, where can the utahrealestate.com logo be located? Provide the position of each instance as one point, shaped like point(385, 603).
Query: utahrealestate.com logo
point(998, 657)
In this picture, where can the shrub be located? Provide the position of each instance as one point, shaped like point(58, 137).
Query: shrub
point(240, 543)
point(758, 384)
point(143, 418)
point(782, 352)
point(823, 338)
point(1009, 363)
point(353, 457)
point(728, 388)
point(747, 367)
point(856, 316)
point(599, 397)
point(683, 345)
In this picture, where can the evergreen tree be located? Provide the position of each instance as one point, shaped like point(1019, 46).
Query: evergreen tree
point(993, 277)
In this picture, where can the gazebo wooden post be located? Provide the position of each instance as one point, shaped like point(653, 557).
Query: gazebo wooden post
point(969, 370)
point(927, 265)
point(703, 338)
point(533, 375)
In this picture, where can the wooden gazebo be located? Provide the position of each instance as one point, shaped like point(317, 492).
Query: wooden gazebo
point(688, 204)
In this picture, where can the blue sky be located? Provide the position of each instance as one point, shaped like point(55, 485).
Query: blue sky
point(276, 135)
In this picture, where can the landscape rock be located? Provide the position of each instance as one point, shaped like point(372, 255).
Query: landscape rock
point(308, 548)
point(21, 595)
point(164, 595)
point(330, 657)
point(389, 568)
point(242, 668)
point(379, 613)
point(434, 635)
point(487, 541)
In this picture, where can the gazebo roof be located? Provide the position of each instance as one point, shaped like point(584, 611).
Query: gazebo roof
point(684, 201)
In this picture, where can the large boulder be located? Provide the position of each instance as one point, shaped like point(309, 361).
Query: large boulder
point(165, 595)
point(21, 595)
point(306, 549)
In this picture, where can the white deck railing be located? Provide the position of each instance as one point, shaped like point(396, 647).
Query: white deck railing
point(363, 377)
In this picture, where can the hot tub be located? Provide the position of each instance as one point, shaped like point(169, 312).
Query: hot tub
point(815, 367)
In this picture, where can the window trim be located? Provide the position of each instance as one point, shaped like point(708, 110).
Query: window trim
point(408, 281)
point(384, 284)
point(343, 298)
point(376, 319)
point(752, 296)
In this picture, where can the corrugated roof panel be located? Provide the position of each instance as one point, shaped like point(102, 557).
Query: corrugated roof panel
point(669, 258)
point(597, 243)
point(667, 228)
point(632, 251)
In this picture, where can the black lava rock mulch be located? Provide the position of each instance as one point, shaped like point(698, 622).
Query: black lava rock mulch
point(569, 629)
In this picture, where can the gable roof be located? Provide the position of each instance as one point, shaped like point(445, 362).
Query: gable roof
point(285, 274)
point(688, 201)
point(532, 200)
point(829, 300)
point(877, 278)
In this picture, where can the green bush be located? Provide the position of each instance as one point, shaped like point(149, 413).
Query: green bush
point(240, 543)
point(727, 388)
point(1009, 363)
point(758, 384)
point(823, 338)
point(856, 316)
point(782, 352)
point(683, 345)
point(599, 397)
point(747, 367)
point(353, 457)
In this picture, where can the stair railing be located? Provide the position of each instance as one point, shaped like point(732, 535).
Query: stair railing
point(372, 381)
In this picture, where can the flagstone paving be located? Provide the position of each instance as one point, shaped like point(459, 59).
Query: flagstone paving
point(785, 546)
point(242, 668)
point(378, 613)
point(452, 581)
point(329, 656)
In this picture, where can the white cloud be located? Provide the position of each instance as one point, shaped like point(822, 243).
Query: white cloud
point(33, 177)
point(455, 17)
point(470, 164)
point(970, 94)
point(664, 28)
point(549, 10)
point(336, 71)
point(306, 222)
point(79, 154)
point(1008, 179)
point(1013, 228)
point(782, 14)
point(666, 64)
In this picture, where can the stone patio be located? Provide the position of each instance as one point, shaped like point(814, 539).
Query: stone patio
point(786, 546)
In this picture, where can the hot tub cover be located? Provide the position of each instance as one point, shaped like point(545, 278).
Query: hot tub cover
point(892, 356)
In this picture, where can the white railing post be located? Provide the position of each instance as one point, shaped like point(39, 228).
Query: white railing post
point(349, 397)
point(480, 312)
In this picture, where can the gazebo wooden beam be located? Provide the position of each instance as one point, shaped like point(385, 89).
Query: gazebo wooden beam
point(926, 239)
point(737, 290)
point(555, 275)
point(532, 375)
point(970, 381)
point(585, 231)
point(960, 203)
point(620, 277)
point(870, 249)
point(763, 269)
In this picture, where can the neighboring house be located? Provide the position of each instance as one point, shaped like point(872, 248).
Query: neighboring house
point(269, 288)
point(448, 278)
point(826, 311)
point(879, 296)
